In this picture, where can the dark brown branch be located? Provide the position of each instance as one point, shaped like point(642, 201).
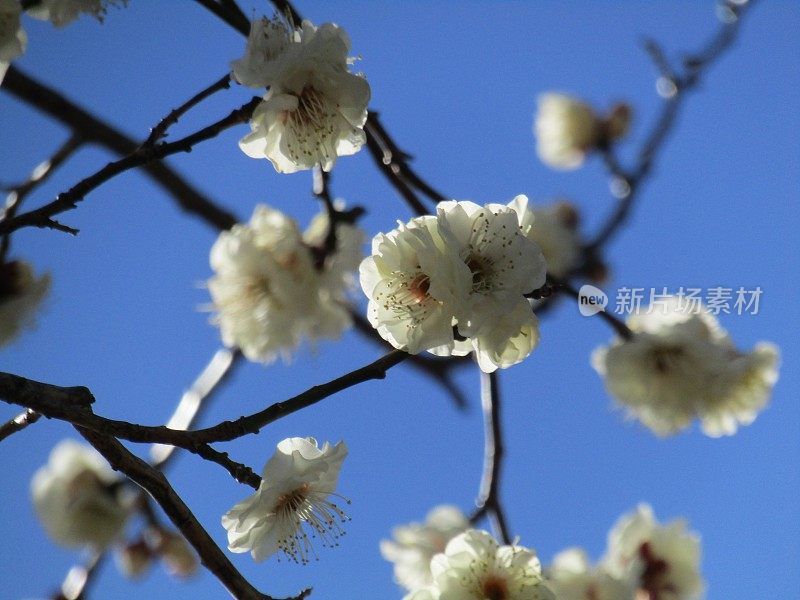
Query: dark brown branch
point(155, 483)
point(43, 217)
point(49, 400)
point(18, 423)
point(674, 87)
point(236, 19)
point(160, 131)
point(41, 173)
point(92, 129)
point(488, 501)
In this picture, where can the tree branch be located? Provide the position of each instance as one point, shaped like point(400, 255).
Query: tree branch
point(43, 217)
point(92, 129)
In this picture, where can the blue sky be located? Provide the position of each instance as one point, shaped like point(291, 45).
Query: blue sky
point(455, 83)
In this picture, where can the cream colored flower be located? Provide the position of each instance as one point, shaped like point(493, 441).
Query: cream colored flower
point(21, 293)
point(12, 37)
point(415, 544)
point(77, 497)
point(681, 365)
point(475, 566)
point(662, 562)
point(566, 129)
point(268, 292)
point(64, 12)
point(315, 108)
point(294, 491)
point(572, 577)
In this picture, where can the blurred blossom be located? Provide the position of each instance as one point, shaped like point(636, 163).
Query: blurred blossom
point(662, 562)
point(456, 283)
point(134, 559)
point(294, 491)
point(572, 577)
point(176, 554)
point(21, 293)
point(415, 544)
point(680, 365)
point(12, 37)
point(268, 292)
point(556, 233)
point(78, 498)
point(315, 108)
point(567, 129)
point(64, 12)
point(474, 565)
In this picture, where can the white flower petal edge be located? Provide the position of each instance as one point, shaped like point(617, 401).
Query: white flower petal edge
point(682, 365)
point(474, 565)
point(75, 499)
point(415, 544)
point(663, 561)
point(295, 486)
point(21, 294)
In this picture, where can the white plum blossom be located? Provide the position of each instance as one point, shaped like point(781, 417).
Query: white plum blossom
point(64, 12)
point(680, 365)
point(78, 499)
point(21, 293)
point(475, 566)
point(572, 577)
point(567, 129)
point(415, 544)
point(315, 108)
point(456, 283)
point(661, 561)
point(270, 293)
point(12, 37)
point(295, 486)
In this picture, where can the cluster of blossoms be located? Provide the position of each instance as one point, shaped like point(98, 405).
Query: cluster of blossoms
point(59, 12)
point(644, 560)
point(315, 108)
point(567, 130)
point(294, 490)
point(78, 498)
point(274, 286)
point(21, 293)
point(456, 283)
point(680, 364)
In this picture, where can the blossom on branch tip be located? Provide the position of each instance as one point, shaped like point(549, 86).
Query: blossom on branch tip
point(315, 108)
point(295, 486)
point(660, 561)
point(680, 364)
point(567, 129)
point(78, 498)
point(12, 37)
point(475, 566)
point(64, 12)
point(455, 283)
point(21, 293)
point(415, 544)
point(268, 292)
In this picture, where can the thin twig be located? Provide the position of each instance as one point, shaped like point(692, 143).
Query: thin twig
point(40, 174)
point(488, 501)
point(236, 19)
point(160, 131)
point(93, 129)
point(43, 217)
point(18, 423)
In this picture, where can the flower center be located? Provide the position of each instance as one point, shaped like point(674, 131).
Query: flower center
point(665, 359)
point(418, 287)
point(494, 588)
point(312, 126)
point(481, 271)
point(653, 582)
